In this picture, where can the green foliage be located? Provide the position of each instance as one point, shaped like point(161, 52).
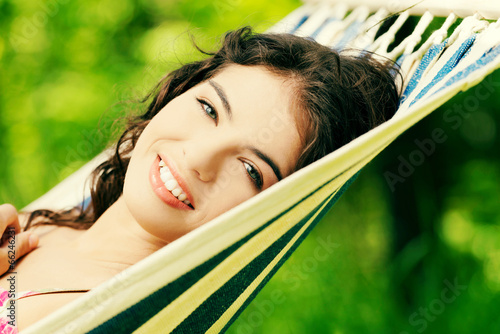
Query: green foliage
point(69, 69)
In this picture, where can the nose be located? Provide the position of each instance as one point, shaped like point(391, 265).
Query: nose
point(206, 155)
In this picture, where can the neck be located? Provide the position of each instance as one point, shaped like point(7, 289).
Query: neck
point(116, 240)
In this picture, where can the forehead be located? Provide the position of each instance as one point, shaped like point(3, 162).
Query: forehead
point(261, 105)
point(247, 83)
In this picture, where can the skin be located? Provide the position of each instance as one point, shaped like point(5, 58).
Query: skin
point(218, 158)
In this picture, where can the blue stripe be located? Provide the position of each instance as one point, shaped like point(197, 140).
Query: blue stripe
point(485, 59)
point(350, 33)
point(433, 52)
point(86, 202)
point(301, 22)
point(323, 25)
point(448, 67)
point(401, 59)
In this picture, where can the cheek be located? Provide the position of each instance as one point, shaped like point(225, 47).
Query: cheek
point(226, 194)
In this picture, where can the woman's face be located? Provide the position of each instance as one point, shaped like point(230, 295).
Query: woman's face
point(211, 148)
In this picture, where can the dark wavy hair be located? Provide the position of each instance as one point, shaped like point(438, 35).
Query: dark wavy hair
point(338, 98)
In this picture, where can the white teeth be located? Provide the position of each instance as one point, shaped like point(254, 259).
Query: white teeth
point(167, 174)
point(163, 177)
point(171, 184)
point(176, 192)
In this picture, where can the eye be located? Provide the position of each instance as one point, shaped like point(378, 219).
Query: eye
point(209, 110)
point(253, 174)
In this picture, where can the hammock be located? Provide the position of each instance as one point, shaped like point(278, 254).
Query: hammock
point(203, 281)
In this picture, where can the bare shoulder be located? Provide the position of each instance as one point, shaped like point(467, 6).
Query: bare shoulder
point(37, 307)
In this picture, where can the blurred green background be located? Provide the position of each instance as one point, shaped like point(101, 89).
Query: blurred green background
point(417, 256)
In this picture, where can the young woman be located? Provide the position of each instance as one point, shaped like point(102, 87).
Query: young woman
point(195, 153)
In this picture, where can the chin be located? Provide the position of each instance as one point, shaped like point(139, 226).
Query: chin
point(150, 213)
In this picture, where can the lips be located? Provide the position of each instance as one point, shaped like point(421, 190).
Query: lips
point(161, 190)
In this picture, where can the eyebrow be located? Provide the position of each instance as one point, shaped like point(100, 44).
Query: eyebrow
point(222, 96)
point(268, 160)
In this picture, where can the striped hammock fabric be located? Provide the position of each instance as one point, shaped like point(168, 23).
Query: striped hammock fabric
point(201, 282)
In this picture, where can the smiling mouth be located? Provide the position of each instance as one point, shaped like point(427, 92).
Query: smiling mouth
point(168, 184)
point(172, 185)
